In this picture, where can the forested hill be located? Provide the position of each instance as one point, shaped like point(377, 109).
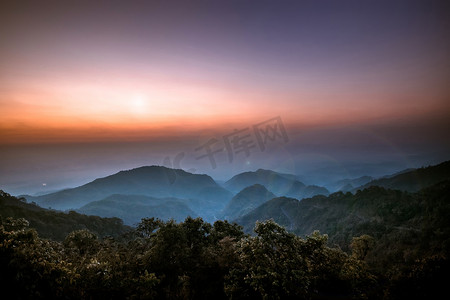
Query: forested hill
point(392, 245)
point(57, 225)
point(413, 180)
point(152, 181)
point(404, 225)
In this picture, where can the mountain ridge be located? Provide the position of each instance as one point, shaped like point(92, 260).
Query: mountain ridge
point(246, 200)
point(390, 216)
point(412, 180)
point(278, 183)
point(57, 225)
point(154, 181)
point(132, 208)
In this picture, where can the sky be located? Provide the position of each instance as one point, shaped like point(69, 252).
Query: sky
point(342, 88)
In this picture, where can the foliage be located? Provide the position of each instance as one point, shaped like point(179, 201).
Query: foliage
point(57, 225)
point(188, 260)
point(404, 226)
point(194, 259)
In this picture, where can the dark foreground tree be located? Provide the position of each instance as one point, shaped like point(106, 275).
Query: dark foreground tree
point(196, 260)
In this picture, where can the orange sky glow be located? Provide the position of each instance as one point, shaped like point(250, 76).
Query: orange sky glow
point(90, 88)
point(112, 108)
point(110, 73)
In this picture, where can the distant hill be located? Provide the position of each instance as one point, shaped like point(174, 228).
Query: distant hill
point(153, 181)
point(346, 185)
point(276, 209)
point(413, 180)
point(299, 191)
point(409, 220)
point(275, 182)
point(278, 183)
point(57, 225)
point(132, 208)
point(247, 200)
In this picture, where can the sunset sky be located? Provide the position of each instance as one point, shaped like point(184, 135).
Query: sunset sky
point(88, 89)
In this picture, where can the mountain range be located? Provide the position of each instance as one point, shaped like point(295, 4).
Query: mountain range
point(392, 217)
point(278, 183)
point(325, 212)
point(389, 232)
point(166, 193)
point(201, 191)
point(246, 200)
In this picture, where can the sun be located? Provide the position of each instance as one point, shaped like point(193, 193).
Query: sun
point(139, 105)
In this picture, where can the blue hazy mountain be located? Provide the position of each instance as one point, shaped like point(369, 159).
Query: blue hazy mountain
point(278, 183)
point(132, 208)
point(346, 185)
point(246, 200)
point(152, 181)
point(172, 193)
point(299, 190)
